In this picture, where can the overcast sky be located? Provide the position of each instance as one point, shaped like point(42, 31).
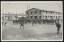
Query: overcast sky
point(21, 6)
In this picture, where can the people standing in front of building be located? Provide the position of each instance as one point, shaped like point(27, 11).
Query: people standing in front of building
point(58, 25)
point(4, 21)
point(21, 22)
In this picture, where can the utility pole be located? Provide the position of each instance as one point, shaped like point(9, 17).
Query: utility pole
point(28, 6)
point(15, 15)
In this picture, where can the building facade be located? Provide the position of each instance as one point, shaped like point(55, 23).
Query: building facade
point(10, 17)
point(34, 13)
point(42, 14)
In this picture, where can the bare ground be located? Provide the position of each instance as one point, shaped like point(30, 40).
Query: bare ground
point(36, 32)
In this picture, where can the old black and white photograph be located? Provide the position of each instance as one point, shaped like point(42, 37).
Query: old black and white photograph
point(32, 20)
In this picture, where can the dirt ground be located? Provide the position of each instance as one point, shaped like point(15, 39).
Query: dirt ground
point(36, 32)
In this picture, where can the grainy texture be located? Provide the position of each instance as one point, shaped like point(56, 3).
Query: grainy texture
point(31, 20)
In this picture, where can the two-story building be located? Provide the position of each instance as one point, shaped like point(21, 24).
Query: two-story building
point(35, 13)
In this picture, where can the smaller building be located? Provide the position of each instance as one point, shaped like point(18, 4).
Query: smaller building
point(10, 17)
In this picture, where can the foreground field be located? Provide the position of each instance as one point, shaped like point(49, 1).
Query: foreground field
point(36, 32)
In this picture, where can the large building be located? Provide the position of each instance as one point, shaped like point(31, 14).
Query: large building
point(51, 14)
point(35, 13)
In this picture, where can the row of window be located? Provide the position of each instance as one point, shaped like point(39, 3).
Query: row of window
point(35, 17)
point(36, 11)
point(47, 16)
point(52, 16)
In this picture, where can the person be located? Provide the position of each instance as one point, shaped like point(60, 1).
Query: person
point(4, 22)
point(58, 25)
point(33, 21)
point(21, 22)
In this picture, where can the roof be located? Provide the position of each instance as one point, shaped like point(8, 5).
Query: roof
point(49, 11)
point(15, 14)
point(43, 10)
point(32, 9)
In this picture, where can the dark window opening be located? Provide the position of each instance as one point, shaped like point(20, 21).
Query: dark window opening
point(36, 12)
point(50, 16)
point(43, 16)
point(46, 16)
point(31, 17)
point(56, 16)
point(39, 17)
point(35, 17)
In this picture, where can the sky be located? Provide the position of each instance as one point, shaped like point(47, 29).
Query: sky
point(21, 6)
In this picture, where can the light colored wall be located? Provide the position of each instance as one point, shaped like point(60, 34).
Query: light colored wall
point(51, 14)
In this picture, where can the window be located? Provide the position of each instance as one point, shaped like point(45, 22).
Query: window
point(59, 16)
point(31, 12)
point(43, 16)
point(48, 16)
point(40, 17)
point(31, 17)
point(35, 12)
point(56, 17)
point(46, 12)
point(35, 17)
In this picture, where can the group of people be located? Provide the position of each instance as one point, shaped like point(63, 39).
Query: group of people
point(21, 22)
point(4, 23)
point(57, 23)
